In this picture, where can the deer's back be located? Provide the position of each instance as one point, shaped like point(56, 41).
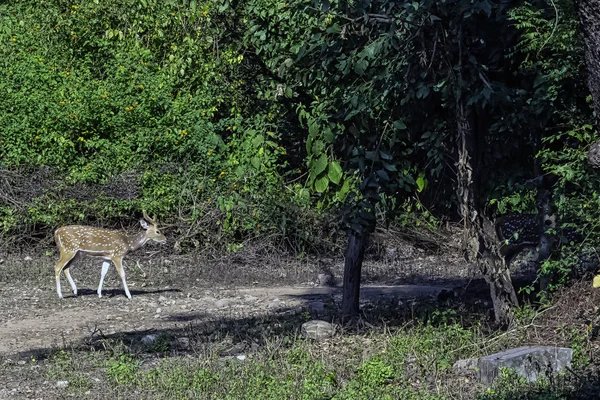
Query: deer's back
point(73, 238)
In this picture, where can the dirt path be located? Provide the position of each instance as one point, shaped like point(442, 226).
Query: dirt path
point(33, 318)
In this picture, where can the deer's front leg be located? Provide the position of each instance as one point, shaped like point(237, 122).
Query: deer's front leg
point(119, 265)
point(105, 266)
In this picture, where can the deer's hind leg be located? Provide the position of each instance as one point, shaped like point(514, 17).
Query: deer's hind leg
point(64, 262)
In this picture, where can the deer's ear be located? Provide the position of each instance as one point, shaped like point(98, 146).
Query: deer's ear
point(143, 223)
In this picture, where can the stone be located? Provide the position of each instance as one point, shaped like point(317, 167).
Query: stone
point(62, 384)
point(317, 329)
point(465, 364)
point(183, 342)
point(325, 280)
point(29, 259)
point(149, 339)
point(530, 362)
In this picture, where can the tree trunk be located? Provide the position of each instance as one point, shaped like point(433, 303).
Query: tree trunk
point(352, 268)
point(481, 243)
point(495, 270)
point(589, 18)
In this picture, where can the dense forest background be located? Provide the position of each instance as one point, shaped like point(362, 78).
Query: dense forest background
point(238, 120)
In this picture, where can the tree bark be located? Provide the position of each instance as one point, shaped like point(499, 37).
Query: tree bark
point(352, 271)
point(481, 243)
point(589, 18)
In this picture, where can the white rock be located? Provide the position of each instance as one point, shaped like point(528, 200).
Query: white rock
point(317, 329)
point(149, 339)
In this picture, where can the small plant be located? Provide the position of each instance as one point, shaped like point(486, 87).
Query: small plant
point(122, 370)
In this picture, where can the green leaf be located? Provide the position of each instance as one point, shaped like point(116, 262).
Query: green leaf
point(334, 172)
point(422, 92)
point(384, 155)
point(322, 184)
point(389, 167)
point(313, 128)
point(319, 165)
point(421, 183)
point(383, 175)
point(258, 141)
point(361, 66)
point(399, 124)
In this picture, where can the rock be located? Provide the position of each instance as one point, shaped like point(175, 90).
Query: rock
point(465, 364)
point(183, 342)
point(325, 279)
point(30, 259)
point(62, 384)
point(273, 305)
point(149, 339)
point(317, 329)
point(527, 361)
point(237, 348)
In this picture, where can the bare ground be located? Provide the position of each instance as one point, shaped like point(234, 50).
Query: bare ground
point(32, 318)
point(171, 293)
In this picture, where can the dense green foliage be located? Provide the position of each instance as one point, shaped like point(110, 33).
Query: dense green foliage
point(209, 113)
point(153, 91)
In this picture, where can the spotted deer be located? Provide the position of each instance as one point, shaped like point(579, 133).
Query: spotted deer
point(110, 245)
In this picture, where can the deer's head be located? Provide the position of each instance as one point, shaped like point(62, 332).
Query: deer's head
point(151, 227)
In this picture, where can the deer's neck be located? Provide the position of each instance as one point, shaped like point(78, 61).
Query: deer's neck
point(136, 241)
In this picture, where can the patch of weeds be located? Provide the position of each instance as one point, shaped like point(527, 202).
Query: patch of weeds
point(525, 314)
point(579, 342)
point(123, 369)
point(511, 386)
point(162, 344)
point(64, 366)
point(431, 347)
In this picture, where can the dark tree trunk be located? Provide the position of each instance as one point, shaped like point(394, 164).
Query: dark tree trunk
point(481, 243)
point(352, 268)
point(589, 18)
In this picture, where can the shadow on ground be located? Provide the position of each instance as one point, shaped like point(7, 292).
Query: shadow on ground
point(119, 292)
point(382, 307)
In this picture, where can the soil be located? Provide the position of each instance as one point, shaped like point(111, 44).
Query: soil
point(33, 318)
point(170, 293)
